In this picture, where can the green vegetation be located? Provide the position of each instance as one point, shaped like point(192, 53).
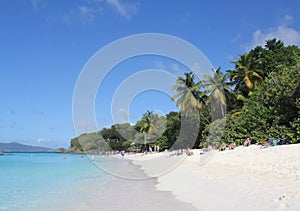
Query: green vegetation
point(259, 98)
point(267, 94)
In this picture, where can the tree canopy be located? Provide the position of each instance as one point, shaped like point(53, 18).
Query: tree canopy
point(261, 94)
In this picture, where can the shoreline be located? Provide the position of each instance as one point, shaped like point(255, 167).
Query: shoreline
point(246, 178)
point(52, 182)
point(133, 194)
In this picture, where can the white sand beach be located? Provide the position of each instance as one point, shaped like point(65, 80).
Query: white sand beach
point(246, 178)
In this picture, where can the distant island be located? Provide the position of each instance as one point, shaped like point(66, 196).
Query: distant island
point(17, 147)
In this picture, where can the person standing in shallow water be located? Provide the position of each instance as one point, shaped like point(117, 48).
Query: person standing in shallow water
point(122, 153)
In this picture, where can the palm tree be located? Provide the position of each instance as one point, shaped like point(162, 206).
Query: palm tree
point(246, 72)
point(188, 96)
point(217, 87)
point(147, 125)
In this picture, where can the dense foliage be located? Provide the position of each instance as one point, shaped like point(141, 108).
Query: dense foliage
point(270, 107)
point(259, 98)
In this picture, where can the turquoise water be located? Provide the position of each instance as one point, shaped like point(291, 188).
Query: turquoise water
point(47, 181)
point(36, 181)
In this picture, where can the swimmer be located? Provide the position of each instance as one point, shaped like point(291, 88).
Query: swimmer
point(122, 153)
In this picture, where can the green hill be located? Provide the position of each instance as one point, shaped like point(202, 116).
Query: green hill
point(17, 147)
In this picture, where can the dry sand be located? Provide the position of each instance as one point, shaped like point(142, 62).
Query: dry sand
point(246, 178)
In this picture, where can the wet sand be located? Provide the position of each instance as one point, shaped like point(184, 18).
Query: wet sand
point(119, 193)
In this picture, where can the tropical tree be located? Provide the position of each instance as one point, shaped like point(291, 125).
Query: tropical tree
point(275, 55)
point(172, 127)
point(246, 73)
point(217, 87)
point(188, 95)
point(147, 125)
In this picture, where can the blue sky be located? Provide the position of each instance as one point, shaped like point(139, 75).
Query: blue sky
point(45, 44)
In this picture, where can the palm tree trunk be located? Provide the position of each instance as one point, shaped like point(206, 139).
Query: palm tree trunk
point(222, 111)
point(145, 139)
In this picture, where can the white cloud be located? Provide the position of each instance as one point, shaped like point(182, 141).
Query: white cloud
point(196, 67)
point(104, 126)
point(175, 67)
point(124, 9)
point(236, 38)
point(288, 35)
point(287, 19)
point(123, 111)
point(38, 4)
point(122, 115)
point(160, 65)
point(87, 14)
point(284, 32)
point(84, 126)
point(42, 140)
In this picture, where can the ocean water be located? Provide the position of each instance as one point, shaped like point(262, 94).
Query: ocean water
point(38, 181)
point(47, 181)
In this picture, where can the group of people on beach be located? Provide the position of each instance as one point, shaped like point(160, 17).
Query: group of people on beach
point(249, 141)
point(223, 147)
point(181, 151)
point(274, 142)
point(152, 149)
point(155, 148)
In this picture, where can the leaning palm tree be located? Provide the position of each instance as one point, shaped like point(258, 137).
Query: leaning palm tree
point(188, 96)
point(147, 125)
point(217, 87)
point(246, 72)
